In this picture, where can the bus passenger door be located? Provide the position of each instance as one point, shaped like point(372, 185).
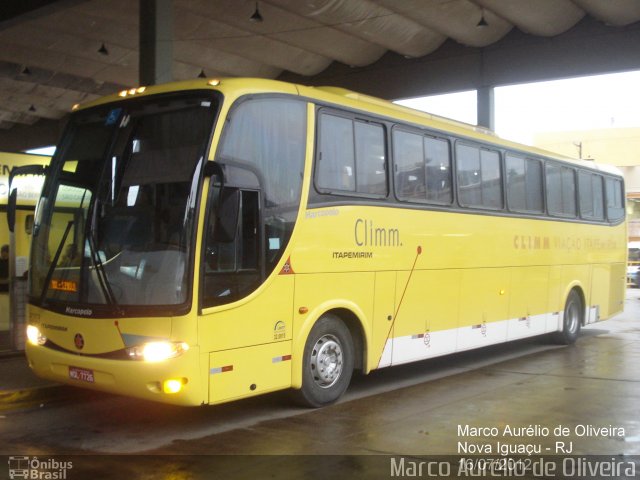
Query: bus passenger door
point(246, 316)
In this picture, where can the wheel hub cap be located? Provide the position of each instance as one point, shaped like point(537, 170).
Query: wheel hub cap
point(326, 361)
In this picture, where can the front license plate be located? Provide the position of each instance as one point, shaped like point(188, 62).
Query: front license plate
point(81, 374)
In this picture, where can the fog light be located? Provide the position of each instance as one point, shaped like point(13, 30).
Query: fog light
point(173, 385)
point(34, 335)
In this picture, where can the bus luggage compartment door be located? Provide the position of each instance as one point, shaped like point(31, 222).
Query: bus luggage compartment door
point(244, 372)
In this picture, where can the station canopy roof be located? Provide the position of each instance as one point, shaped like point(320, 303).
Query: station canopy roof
point(58, 53)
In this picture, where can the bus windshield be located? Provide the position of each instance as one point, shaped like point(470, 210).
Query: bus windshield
point(114, 226)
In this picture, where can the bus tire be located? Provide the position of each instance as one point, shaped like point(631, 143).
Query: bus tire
point(572, 319)
point(327, 363)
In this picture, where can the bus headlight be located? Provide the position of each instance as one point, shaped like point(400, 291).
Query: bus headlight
point(35, 336)
point(157, 351)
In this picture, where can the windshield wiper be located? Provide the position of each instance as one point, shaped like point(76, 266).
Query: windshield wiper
point(103, 281)
point(54, 262)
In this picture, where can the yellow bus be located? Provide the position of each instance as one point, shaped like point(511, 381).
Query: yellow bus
point(29, 188)
point(205, 241)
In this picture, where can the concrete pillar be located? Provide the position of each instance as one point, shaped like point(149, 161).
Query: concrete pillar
point(486, 108)
point(156, 41)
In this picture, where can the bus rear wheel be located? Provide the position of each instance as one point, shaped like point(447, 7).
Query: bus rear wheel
point(327, 363)
point(572, 319)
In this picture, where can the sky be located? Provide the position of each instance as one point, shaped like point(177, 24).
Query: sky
point(602, 101)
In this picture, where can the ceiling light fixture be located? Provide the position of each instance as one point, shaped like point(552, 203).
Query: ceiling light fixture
point(256, 17)
point(25, 71)
point(482, 23)
point(202, 74)
point(103, 50)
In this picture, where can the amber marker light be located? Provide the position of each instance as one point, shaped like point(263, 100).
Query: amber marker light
point(132, 91)
point(75, 107)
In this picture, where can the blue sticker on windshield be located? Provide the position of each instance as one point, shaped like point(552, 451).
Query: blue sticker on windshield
point(113, 116)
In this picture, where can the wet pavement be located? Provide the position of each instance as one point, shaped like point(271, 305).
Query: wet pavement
point(523, 398)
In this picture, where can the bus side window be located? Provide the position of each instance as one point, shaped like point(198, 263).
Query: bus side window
point(351, 156)
point(437, 166)
point(479, 177)
point(524, 184)
point(371, 175)
point(336, 161)
point(408, 156)
point(422, 168)
point(231, 268)
point(590, 195)
point(615, 203)
point(561, 190)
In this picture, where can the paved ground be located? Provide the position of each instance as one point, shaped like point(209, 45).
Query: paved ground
point(580, 400)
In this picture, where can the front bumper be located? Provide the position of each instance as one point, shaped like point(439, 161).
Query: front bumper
point(124, 377)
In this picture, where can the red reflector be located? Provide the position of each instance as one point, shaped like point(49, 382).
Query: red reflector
point(286, 357)
point(228, 368)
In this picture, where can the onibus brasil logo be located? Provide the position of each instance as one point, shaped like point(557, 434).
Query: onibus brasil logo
point(35, 469)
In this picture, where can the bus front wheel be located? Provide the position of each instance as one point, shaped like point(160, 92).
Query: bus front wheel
point(327, 364)
point(572, 319)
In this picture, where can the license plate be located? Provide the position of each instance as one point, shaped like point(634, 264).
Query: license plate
point(81, 374)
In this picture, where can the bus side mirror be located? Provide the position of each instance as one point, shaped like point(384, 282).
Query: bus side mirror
point(11, 209)
point(228, 211)
point(213, 169)
point(27, 170)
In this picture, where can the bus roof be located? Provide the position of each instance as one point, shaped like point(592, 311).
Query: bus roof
point(448, 124)
point(236, 87)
